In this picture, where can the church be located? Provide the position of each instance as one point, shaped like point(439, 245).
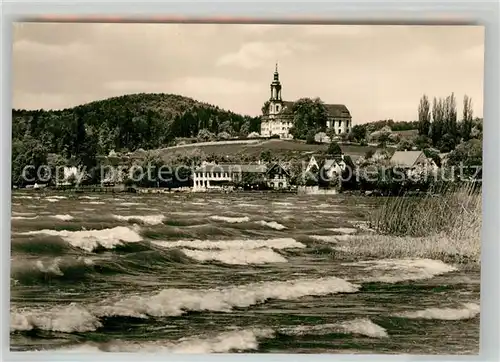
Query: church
point(279, 118)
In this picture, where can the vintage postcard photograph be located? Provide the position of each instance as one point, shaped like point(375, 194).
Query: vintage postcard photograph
point(246, 188)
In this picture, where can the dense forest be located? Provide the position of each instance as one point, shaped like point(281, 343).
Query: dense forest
point(129, 122)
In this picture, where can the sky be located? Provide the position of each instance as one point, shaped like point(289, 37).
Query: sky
point(378, 72)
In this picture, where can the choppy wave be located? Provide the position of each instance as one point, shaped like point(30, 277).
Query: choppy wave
point(130, 203)
point(89, 240)
point(279, 243)
point(89, 197)
point(232, 220)
point(72, 318)
point(16, 213)
point(360, 326)
point(64, 217)
point(344, 230)
point(468, 311)
point(236, 257)
point(26, 197)
point(236, 340)
point(35, 271)
point(146, 219)
point(174, 302)
point(24, 217)
point(397, 270)
point(224, 342)
point(271, 224)
point(93, 202)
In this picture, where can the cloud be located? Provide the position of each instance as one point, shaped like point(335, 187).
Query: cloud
point(256, 54)
point(378, 72)
point(335, 30)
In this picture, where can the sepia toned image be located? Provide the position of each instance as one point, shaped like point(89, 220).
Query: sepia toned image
point(246, 188)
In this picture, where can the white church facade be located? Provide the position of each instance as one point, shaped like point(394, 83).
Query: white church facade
point(278, 119)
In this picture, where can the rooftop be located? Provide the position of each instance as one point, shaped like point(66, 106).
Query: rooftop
point(405, 158)
point(334, 110)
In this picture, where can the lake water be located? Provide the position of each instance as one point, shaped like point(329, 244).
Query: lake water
point(224, 273)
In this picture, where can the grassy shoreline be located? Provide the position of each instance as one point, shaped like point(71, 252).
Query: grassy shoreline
point(446, 227)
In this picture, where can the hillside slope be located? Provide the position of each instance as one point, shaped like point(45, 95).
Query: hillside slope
point(130, 121)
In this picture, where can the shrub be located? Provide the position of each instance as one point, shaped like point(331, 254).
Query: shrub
point(405, 145)
point(310, 137)
point(205, 135)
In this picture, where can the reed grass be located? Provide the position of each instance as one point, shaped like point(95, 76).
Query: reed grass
point(445, 226)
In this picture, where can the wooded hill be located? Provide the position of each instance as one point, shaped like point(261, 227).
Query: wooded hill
point(128, 122)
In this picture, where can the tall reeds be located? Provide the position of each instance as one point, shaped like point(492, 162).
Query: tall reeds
point(442, 226)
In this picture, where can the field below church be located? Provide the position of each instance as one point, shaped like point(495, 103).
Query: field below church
point(284, 149)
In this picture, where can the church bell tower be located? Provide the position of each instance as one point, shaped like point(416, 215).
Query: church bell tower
point(275, 102)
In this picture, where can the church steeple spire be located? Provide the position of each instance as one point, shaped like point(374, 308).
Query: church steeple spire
point(276, 86)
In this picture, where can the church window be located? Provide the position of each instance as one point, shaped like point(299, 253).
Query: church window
point(277, 108)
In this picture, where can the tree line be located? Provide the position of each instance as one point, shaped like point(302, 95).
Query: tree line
point(81, 134)
point(440, 125)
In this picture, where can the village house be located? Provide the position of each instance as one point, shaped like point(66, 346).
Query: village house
point(413, 162)
point(330, 167)
point(218, 176)
point(277, 177)
point(279, 117)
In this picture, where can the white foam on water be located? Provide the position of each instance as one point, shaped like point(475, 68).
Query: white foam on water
point(331, 238)
point(468, 311)
point(93, 202)
point(51, 268)
point(347, 231)
point(23, 213)
point(248, 205)
point(364, 226)
point(397, 270)
point(280, 243)
point(130, 203)
point(89, 197)
point(25, 197)
point(224, 342)
point(271, 224)
point(189, 213)
point(57, 197)
point(331, 212)
point(90, 239)
point(175, 302)
point(23, 217)
point(232, 220)
point(236, 257)
point(323, 205)
point(88, 209)
point(72, 318)
point(282, 203)
point(64, 217)
point(147, 209)
point(51, 199)
point(364, 327)
point(361, 326)
point(147, 219)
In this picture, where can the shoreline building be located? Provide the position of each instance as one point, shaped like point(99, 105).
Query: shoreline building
point(278, 119)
